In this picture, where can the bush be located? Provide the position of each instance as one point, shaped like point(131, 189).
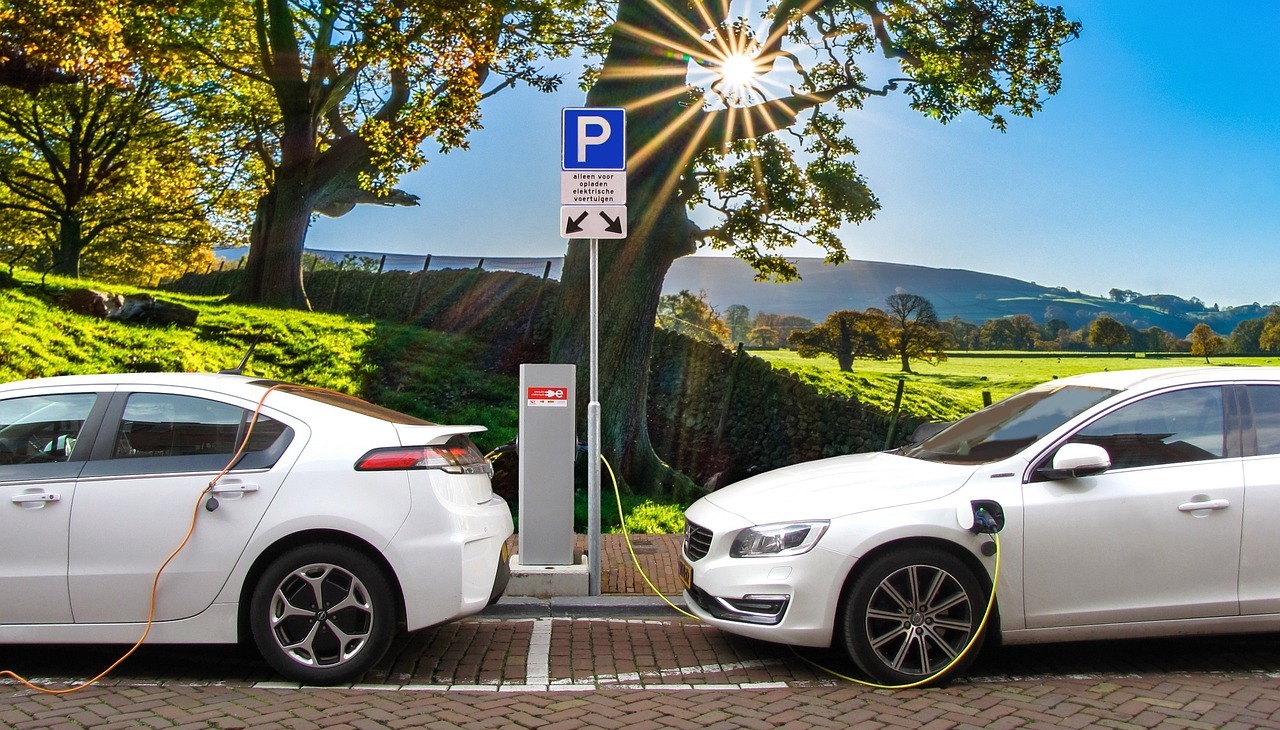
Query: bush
point(651, 518)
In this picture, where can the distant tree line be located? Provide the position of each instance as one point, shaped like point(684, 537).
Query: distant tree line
point(908, 329)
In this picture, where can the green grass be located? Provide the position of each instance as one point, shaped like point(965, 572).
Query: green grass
point(424, 373)
point(954, 388)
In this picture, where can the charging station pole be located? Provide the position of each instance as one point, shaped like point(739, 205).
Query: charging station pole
point(593, 197)
point(593, 432)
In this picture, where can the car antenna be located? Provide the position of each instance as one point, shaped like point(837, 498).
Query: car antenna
point(239, 369)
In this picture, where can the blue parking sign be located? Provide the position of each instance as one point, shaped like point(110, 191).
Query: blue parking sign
point(594, 138)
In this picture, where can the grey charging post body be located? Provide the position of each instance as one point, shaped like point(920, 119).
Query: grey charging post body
point(547, 446)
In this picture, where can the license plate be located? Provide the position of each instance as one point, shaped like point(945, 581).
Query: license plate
point(686, 574)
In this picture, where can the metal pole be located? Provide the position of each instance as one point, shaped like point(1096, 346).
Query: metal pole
point(593, 432)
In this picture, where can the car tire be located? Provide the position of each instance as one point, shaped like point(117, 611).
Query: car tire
point(323, 614)
point(910, 613)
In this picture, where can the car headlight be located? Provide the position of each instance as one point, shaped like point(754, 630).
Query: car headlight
point(781, 539)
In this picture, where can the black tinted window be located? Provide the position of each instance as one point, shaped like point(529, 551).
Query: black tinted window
point(157, 424)
point(1265, 403)
point(1169, 428)
point(42, 428)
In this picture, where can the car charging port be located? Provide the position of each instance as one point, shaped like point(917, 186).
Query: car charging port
point(988, 517)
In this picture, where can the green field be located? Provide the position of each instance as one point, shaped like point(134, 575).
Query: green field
point(954, 388)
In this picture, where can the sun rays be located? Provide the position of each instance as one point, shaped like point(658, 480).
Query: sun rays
point(715, 72)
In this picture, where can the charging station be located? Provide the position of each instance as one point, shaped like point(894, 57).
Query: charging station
point(544, 564)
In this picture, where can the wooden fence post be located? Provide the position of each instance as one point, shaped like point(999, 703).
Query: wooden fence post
point(537, 301)
point(893, 417)
point(337, 281)
point(417, 292)
point(373, 288)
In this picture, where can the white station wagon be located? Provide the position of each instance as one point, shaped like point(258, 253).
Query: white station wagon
point(1139, 503)
point(338, 523)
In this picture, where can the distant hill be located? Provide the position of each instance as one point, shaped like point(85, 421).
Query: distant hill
point(970, 295)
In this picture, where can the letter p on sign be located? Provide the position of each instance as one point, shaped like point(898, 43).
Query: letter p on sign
point(594, 138)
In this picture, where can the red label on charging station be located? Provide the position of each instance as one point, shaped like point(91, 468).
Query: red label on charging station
point(548, 397)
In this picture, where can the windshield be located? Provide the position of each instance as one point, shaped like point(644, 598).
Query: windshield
point(1007, 427)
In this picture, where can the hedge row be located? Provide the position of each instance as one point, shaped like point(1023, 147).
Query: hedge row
point(719, 416)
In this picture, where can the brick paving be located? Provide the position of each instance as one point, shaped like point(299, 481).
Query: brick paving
point(657, 555)
point(1208, 701)
point(553, 673)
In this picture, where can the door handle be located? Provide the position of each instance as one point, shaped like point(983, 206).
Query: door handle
point(1207, 504)
point(35, 499)
point(233, 488)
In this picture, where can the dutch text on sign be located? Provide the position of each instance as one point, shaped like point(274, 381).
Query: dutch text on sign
point(593, 188)
point(539, 397)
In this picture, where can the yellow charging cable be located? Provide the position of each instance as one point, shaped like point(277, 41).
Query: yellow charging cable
point(982, 626)
point(155, 583)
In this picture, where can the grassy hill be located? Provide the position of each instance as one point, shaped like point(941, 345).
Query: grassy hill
point(954, 388)
point(415, 370)
point(970, 295)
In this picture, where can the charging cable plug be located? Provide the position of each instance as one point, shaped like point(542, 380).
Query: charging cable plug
point(983, 522)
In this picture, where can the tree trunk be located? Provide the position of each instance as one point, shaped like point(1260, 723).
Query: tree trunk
point(273, 270)
point(66, 257)
point(632, 270)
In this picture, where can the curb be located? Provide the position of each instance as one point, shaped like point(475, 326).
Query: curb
point(612, 606)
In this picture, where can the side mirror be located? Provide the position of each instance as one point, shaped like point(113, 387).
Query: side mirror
point(1077, 460)
point(926, 431)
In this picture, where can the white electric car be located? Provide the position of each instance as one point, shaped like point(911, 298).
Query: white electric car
point(1129, 504)
point(337, 523)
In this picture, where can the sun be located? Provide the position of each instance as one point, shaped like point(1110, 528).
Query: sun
point(738, 72)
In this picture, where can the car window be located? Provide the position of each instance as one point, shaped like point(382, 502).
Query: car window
point(1169, 428)
point(1009, 426)
point(42, 428)
point(1264, 401)
point(160, 424)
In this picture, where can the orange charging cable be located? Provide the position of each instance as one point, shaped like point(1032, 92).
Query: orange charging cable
point(155, 584)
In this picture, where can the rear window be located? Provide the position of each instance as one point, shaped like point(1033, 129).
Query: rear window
point(347, 403)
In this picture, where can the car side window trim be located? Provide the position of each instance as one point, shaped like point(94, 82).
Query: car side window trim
point(1231, 420)
point(85, 441)
point(102, 464)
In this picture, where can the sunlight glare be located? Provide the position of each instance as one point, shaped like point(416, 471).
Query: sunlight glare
point(738, 72)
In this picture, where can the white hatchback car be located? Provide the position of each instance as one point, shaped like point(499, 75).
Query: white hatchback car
point(338, 522)
point(1130, 504)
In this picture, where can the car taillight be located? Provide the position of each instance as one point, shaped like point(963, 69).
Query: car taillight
point(457, 456)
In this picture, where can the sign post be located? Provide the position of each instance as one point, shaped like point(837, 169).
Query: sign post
point(593, 197)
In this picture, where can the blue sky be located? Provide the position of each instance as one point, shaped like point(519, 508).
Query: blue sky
point(1156, 168)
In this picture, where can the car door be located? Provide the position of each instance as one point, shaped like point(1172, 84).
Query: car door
point(138, 495)
point(1156, 536)
point(43, 439)
point(1260, 542)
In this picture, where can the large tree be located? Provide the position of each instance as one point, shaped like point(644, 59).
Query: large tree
point(770, 164)
point(1107, 333)
point(1205, 342)
point(846, 335)
point(338, 97)
point(915, 331)
point(104, 174)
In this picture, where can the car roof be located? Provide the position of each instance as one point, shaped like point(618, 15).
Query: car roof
point(1154, 378)
point(221, 382)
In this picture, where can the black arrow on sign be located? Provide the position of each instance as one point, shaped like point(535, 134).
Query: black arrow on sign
point(614, 225)
point(572, 225)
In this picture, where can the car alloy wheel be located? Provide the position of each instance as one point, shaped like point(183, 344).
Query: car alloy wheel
point(911, 613)
point(322, 614)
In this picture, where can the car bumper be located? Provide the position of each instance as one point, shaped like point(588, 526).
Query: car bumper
point(789, 600)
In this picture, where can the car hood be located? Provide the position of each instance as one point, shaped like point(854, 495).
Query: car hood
point(839, 486)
